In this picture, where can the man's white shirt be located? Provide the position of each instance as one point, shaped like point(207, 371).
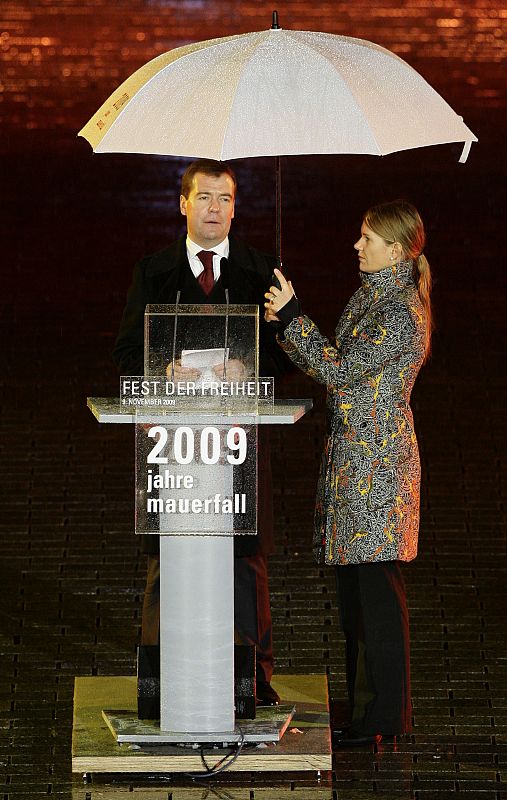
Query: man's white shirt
point(221, 251)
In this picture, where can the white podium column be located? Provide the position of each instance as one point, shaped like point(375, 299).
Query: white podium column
point(196, 633)
point(197, 605)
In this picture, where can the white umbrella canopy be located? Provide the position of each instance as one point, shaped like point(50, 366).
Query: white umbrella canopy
point(274, 92)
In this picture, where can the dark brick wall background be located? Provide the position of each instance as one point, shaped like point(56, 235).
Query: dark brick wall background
point(73, 225)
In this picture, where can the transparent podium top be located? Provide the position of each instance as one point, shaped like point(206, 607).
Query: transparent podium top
point(282, 412)
point(200, 359)
point(202, 342)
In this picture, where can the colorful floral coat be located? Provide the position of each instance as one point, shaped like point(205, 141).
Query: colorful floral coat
point(368, 493)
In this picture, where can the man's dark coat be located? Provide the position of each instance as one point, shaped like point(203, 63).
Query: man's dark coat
point(157, 279)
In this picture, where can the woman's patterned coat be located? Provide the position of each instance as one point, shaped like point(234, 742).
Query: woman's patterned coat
point(368, 494)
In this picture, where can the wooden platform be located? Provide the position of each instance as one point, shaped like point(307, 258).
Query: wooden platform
point(306, 744)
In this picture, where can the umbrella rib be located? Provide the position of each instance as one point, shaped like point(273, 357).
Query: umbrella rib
point(233, 94)
point(112, 108)
point(352, 94)
point(395, 58)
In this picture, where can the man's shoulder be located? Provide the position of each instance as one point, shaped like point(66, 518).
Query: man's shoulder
point(165, 260)
point(250, 258)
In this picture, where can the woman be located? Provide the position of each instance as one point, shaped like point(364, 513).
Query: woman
point(367, 509)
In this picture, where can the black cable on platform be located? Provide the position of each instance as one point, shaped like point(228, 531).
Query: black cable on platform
point(224, 763)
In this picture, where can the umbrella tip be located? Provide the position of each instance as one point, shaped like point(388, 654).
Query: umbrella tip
point(274, 24)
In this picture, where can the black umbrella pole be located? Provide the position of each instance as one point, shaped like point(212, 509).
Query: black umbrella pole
point(278, 213)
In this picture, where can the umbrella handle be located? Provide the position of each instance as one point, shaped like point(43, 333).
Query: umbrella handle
point(278, 211)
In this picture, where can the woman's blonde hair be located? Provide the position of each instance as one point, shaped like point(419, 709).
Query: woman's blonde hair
point(399, 221)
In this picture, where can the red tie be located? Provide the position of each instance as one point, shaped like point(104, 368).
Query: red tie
point(206, 278)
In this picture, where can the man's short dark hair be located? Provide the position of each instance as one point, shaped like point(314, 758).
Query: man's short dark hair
point(208, 167)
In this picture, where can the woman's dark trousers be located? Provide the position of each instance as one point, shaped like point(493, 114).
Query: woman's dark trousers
point(374, 619)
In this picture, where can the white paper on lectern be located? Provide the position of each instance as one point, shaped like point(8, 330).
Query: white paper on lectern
point(204, 360)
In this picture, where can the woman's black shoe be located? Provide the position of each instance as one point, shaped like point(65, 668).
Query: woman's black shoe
point(353, 739)
point(340, 731)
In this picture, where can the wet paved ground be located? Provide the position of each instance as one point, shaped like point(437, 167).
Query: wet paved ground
point(73, 225)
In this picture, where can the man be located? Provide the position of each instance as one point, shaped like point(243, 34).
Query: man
point(192, 265)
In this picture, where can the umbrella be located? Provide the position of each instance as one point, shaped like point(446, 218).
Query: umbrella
point(274, 92)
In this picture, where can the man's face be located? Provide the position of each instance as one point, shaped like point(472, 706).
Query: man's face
point(209, 209)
